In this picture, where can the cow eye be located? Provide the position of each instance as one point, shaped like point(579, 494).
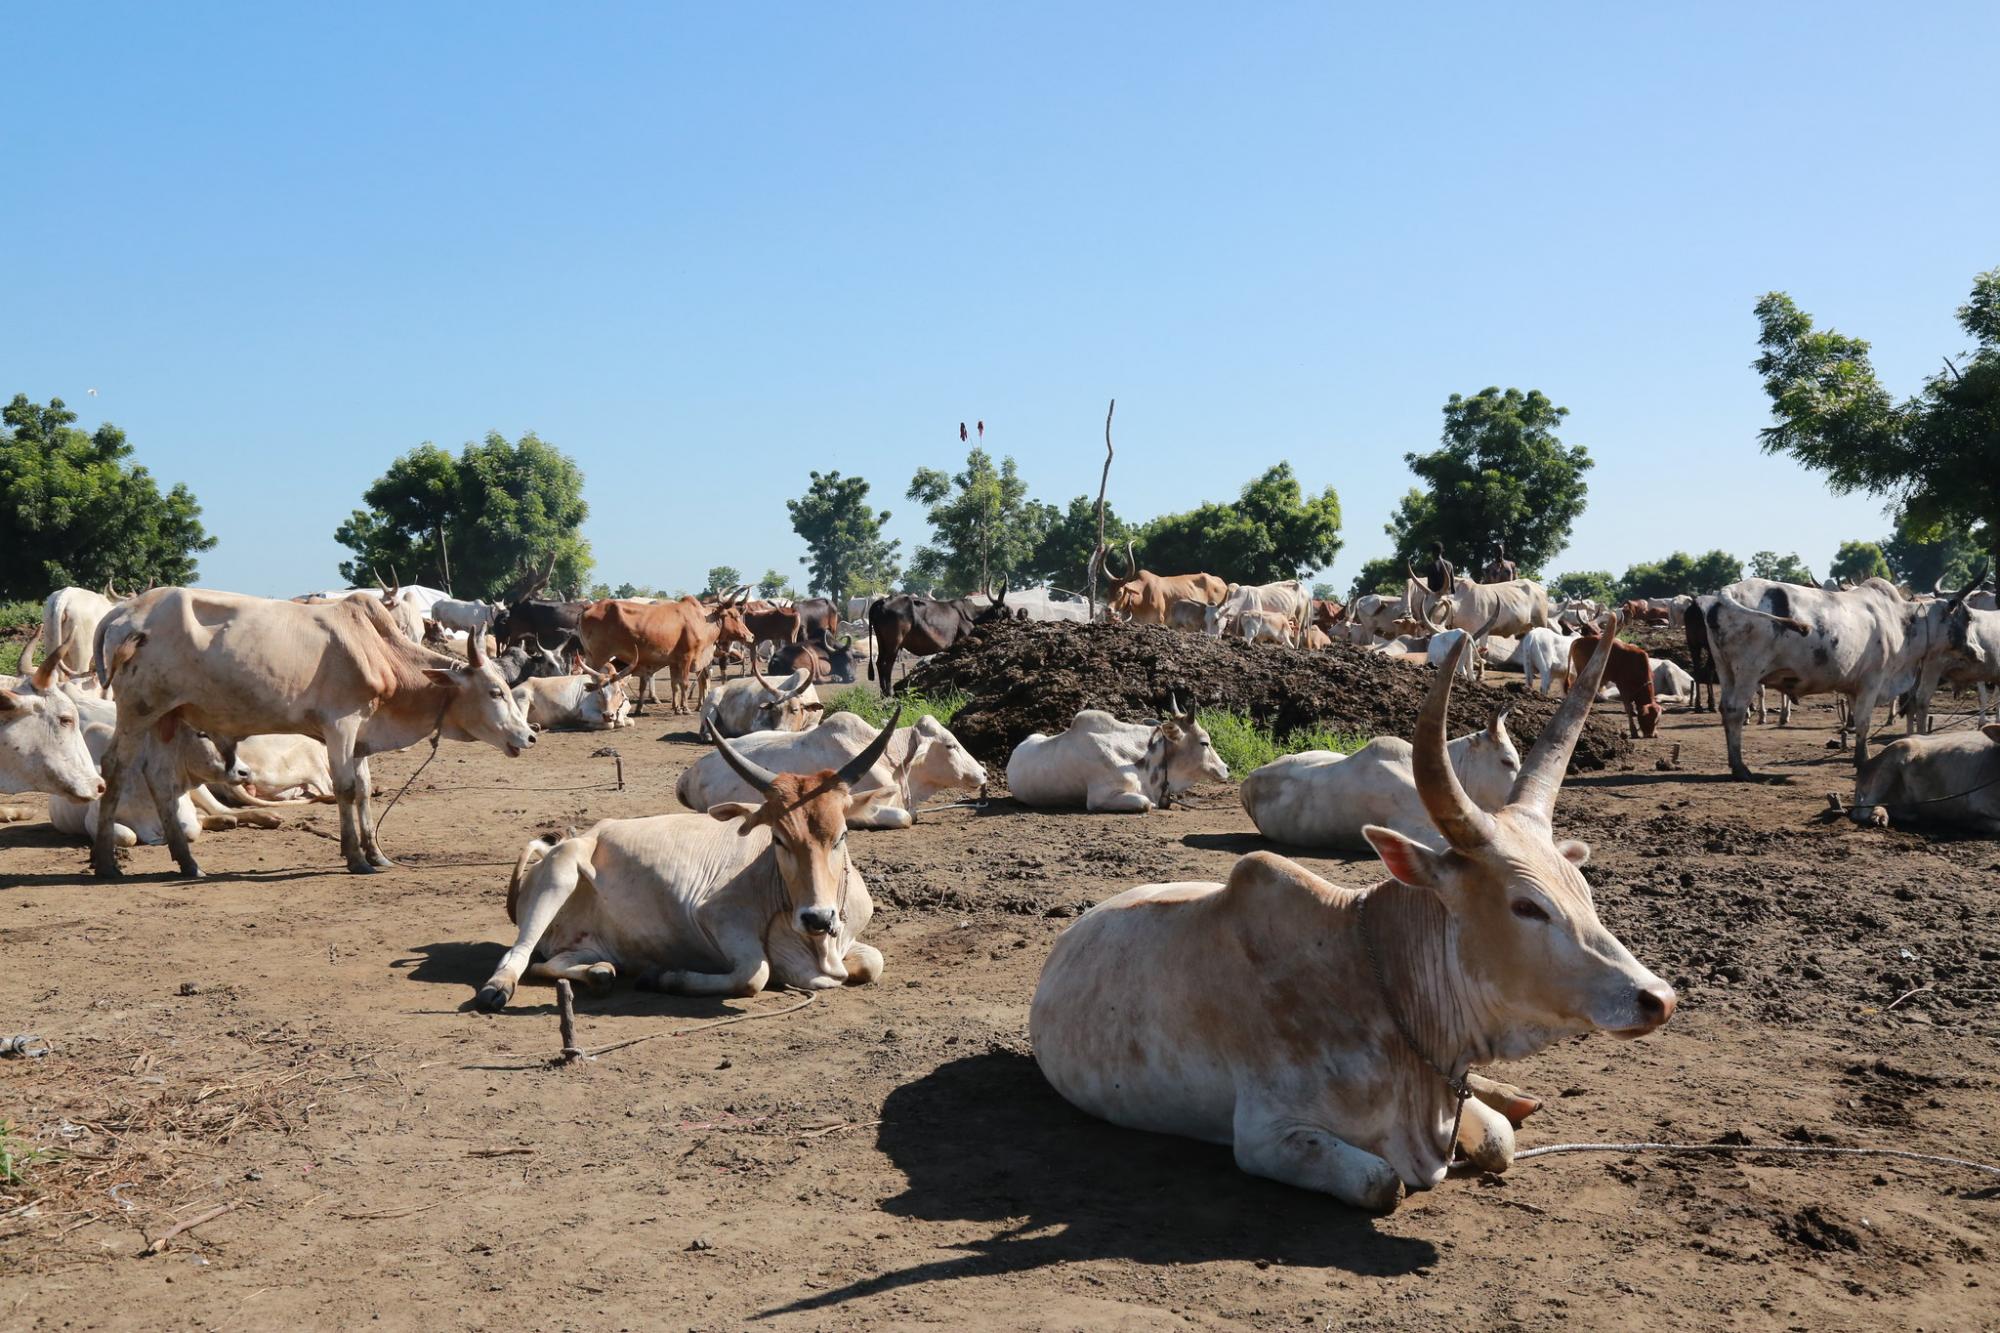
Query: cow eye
point(67, 721)
point(494, 693)
point(1529, 910)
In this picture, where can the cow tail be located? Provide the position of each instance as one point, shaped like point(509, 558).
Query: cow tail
point(1792, 623)
point(531, 856)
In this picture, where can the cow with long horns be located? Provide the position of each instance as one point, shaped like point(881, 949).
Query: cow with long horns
point(749, 895)
point(1328, 1034)
point(1145, 598)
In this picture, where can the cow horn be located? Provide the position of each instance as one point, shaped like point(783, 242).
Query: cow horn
point(758, 671)
point(755, 774)
point(1464, 825)
point(857, 768)
point(28, 650)
point(1542, 771)
point(845, 643)
point(475, 648)
point(1978, 577)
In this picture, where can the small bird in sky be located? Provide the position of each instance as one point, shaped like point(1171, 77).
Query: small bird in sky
point(982, 430)
point(91, 392)
point(961, 432)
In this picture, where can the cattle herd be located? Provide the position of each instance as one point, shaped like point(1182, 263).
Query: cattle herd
point(156, 717)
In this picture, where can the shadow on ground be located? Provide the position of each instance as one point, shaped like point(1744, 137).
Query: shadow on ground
point(984, 1139)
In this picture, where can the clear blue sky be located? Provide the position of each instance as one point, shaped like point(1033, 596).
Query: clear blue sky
point(704, 249)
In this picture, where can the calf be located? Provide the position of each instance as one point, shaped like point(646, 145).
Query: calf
point(1545, 657)
point(1112, 767)
point(1631, 671)
point(174, 758)
point(1321, 799)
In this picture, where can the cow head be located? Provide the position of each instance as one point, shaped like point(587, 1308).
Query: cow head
point(790, 705)
point(526, 660)
point(993, 610)
point(1179, 755)
point(1957, 615)
point(937, 762)
point(839, 659)
point(201, 757)
point(807, 816)
point(480, 704)
point(1487, 763)
point(1536, 961)
point(42, 749)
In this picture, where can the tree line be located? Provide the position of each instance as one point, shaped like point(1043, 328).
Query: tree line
point(76, 509)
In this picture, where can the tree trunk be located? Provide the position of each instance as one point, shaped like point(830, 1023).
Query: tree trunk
point(1103, 480)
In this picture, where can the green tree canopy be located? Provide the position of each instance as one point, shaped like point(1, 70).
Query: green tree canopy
point(1272, 531)
point(1500, 475)
point(1062, 557)
point(75, 510)
point(846, 553)
point(1585, 585)
point(1859, 560)
point(723, 578)
point(1934, 453)
point(1384, 574)
point(1786, 568)
point(774, 584)
point(1929, 555)
point(983, 526)
point(473, 524)
point(1681, 573)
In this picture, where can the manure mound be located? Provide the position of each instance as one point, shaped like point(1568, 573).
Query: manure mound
point(1021, 677)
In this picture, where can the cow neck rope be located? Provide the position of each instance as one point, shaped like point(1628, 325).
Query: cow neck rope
point(1460, 1089)
point(437, 736)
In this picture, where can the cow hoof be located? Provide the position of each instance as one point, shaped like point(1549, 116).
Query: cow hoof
point(360, 868)
point(599, 975)
point(380, 862)
point(193, 872)
point(491, 999)
point(107, 869)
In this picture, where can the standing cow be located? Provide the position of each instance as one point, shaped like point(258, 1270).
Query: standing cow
point(913, 623)
point(1145, 598)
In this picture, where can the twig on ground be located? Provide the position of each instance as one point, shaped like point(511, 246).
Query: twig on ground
point(157, 1242)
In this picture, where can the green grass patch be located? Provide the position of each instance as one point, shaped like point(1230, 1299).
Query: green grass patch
point(1246, 744)
point(17, 1155)
point(15, 618)
point(874, 709)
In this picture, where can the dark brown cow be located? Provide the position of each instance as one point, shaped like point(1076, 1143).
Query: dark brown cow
point(923, 625)
point(831, 663)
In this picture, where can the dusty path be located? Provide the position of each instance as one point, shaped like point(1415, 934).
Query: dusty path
point(889, 1157)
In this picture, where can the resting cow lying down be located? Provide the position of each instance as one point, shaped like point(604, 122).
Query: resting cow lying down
point(1950, 778)
point(1327, 1033)
point(1321, 799)
point(923, 761)
point(1106, 766)
point(752, 894)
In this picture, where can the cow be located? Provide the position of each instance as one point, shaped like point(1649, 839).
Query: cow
point(756, 704)
point(1141, 596)
point(69, 618)
point(284, 770)
point(910, 622)
point(233, 665)
point(1630, 670)
point(1444, 644)
point(42, 749)
point(1287, 599)
point(464, 617)
point(770, 623)
point(1251, 626)
point(1111, 767)
point(924, 760)
point(1860, 643)
point(588, 701)
point(829, 662)
point(1377, 615)
point(1971, 657)
point(646, 637)
point(551, 624)
point(1187, 614)
point(1318, 798)
point(1326, 1033)
point(1316, 640)
point(748, 895)
point(526, 659)
point(182, 763)
point(1670, 681)
point(1327, 613)
point(1694, 631)
point(1514, 607)
point(817, 615)
point(1638, 611)
point(1953, 778)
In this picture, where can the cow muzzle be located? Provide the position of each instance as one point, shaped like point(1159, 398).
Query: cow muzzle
point(818, 920)
point(1653, 1005)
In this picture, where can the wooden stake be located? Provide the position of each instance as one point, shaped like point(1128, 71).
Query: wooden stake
point(1097, 556)
point(566, 1014)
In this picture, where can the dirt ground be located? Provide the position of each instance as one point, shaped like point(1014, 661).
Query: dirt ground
point(293, 1040)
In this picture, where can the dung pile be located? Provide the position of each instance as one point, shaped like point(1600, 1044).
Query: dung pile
point(1023, 676)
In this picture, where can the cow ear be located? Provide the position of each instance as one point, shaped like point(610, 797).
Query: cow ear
point(1574, 852)
point(1409, 861)
point(1992, 731)
point(439, 675)
point(11, 702)
point(729, 810)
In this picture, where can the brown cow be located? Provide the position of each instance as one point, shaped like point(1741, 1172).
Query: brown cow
point(1630, 670)
point(1145, 597)
point(645, 637)
point(771, 623)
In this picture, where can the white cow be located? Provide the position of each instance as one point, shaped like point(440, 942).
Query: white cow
point(1321, 799)
point(1287, 599)
point(1327, 1034)
point(1545, 657)
point(592, 701)
point(751, 894)
point(1670, 681)
point(751, 703)
point(284, 770)
point(182, 763)
point(1952, 778)
point(923, 761)
point(42, 749)
point(1250, 626)
point(1112, 767)
point(464, 617)
point(69, 621)
point(1445, 643)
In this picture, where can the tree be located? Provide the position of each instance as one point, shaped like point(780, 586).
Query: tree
point(1385, 575)
point(74, 510)
point(983, 526)
point(1858, 560)
point(473, 524)
point(1501, 475)
point(1325, 592)
point(774, 584)
point(1781, 568)
point(1273, 531)
point(1931, 555)
point(1584, 585)
point(1679, 573)
point(1933, 453)
point(1062, 557)
point(846, 553)
point(723, 578)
